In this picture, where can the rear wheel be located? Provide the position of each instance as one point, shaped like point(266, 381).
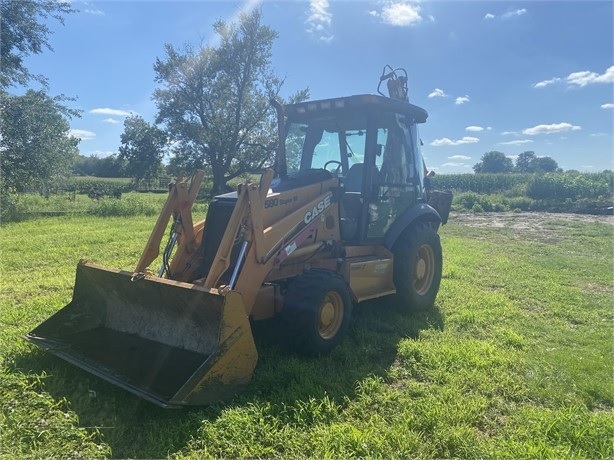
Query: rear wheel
point(316, 313)
point(418, 266)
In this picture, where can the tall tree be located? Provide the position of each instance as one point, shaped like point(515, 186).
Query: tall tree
point(35, 140)
point(528, 162)
point(544, 165)
point(523, 162)
point(215, 100)
point(143, 147)
point(494, 162)
point(22, 33)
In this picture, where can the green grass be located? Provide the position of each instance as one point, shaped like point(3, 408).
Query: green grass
point(515, 361)
point(28, 206)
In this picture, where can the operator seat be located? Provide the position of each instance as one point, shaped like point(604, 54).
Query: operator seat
point(353, 178)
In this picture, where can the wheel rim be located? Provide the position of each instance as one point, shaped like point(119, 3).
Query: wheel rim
point(330, 315)
point(424, 269)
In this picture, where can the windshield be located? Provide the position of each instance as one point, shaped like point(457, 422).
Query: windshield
point(337, 144)
point(310, 147)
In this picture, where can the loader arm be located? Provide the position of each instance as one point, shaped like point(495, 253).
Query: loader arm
point(281, 238)
point(245, 224)
point(178, 205)
point(256, 240)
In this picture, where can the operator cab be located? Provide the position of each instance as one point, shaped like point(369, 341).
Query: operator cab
point(371, 144)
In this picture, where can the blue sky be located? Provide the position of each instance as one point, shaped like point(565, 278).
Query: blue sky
point(497, 75)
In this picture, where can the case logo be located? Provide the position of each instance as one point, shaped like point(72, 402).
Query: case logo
point(317, 210)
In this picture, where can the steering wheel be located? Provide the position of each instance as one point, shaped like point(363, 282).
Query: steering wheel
point(333, 162)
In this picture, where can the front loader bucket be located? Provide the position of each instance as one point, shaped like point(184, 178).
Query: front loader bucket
point(168, 342)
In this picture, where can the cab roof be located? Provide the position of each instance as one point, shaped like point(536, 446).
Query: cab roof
point(305, 111)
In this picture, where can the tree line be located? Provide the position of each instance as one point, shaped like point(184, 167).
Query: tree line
point(526, 162)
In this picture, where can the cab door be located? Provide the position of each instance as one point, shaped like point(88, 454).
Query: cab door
point(398, 181)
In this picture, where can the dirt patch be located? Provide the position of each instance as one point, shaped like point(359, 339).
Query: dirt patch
point(537, 226)
point(523, 219)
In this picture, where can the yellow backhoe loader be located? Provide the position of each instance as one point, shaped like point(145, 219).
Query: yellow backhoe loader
point(345, 215)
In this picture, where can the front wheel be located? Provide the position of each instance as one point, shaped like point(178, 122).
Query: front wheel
point(316, 313)
point(417, 266)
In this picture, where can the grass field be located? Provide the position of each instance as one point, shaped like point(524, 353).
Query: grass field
point(515, 361)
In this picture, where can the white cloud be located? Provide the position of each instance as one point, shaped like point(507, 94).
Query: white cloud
point(586, 78)
point(459, 157)
point(544, 83)
point(461, 100)
point(320, 20)
point(509, 133)
point(95, 12)
point(445, 141)
point(112, 121)
point(90, 9)
point(474, 128)
point(511, 14)
point(112, 112)
point(518, 142)
point(581, 79)
point(437, 92)
point(550, 129)
point(82, 134)
point(598, 134)
point(454, 164)
point(401, 13)
point(609, 105)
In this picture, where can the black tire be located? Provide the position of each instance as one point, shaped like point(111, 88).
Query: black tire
point(316, 313)
point(417, 267)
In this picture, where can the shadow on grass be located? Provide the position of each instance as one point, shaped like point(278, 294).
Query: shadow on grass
point(137, 429)
point(369, 350)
